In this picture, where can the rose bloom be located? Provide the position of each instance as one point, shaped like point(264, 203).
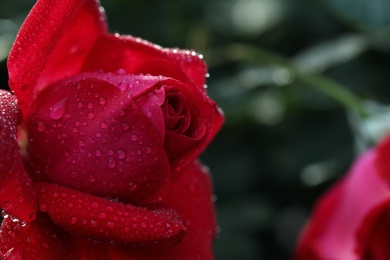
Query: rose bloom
point(99, 143)
point(351, 221)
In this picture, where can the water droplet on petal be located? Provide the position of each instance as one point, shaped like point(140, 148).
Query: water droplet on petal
point(58, 109)
point(91, 115)
point(95, 205)
point(93, 223)
point(121, 72)
point(102, 215)
point(43, 207)
point(111, 163)
point(92, 178)
point(125, 126)
point(73, 220)
point(41, 126)
point(134, 138)
point(148, 150)
point(132, 186)
point(102, 100)
point(110, 224)
point(120, 154)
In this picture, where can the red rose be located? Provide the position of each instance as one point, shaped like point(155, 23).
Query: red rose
point(110, 129)
point(351, 221)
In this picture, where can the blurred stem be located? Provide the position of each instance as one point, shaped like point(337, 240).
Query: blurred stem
point(250, 53)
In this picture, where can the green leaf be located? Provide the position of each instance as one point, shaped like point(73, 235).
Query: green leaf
point(371, 14)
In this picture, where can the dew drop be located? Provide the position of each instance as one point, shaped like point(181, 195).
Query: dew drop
point(132, 186)
point(102, 215)
point(148, 150)
point(43, 207)
point(90, 105)
point(91, 115)
point(93, 223)
point(126, 229)
point(98, 153)
point(92, 178)
point(103, 125)
point(4, 214)
point(102, 100)
point(121, 72)
point(111, 163)
point(73, 220)
point(125, 126)
point(123, 86)
point(120, 154)
point(95, 205)
point(134, 138)
point(41, 126)
point(110, 224)
point(55, 195)
point(58, 109)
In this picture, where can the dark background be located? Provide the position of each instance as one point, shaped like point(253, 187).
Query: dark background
point(304, 86)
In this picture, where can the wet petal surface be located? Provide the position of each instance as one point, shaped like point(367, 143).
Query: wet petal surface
point(108, 221)
point(17, 196)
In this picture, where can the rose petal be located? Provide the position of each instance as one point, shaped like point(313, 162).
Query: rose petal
point(383, 160)
point(52, 44)
point(109, 221)
point(104, 146)
point(191, 195)
point(112, 53)
point(373, 235)
point(194, 185)
point(16, 194)
point(331, 233)
point(39, 240)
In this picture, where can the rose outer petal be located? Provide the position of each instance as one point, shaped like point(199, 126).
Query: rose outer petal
point(383, 160)
point(373, 235)
point(17, 196)
point(52, 44)
point(112, 53)
point(39, 240)
point(104, 220)
point(191, 196)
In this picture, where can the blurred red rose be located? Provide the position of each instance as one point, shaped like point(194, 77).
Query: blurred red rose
point(109, 131)
point(351, 221)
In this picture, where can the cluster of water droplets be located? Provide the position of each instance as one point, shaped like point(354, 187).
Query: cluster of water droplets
point(14, 219)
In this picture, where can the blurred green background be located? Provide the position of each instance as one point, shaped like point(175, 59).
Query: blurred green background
point(304, 86)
